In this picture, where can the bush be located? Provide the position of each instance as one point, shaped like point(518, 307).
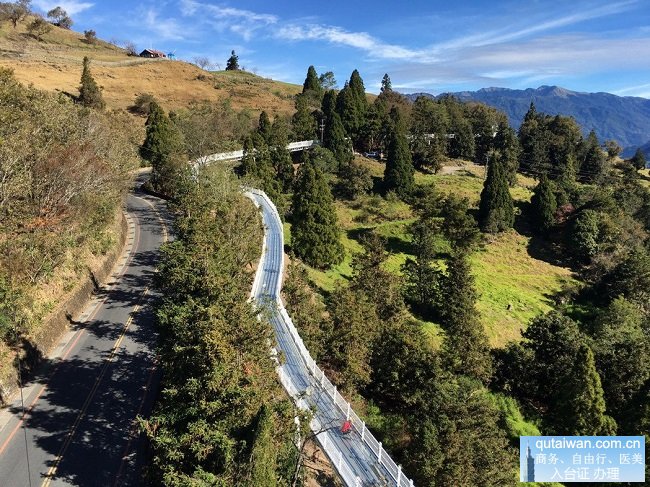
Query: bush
point(90, 36)
point(142, 104)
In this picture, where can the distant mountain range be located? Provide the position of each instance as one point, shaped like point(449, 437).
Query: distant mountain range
point(623, 119)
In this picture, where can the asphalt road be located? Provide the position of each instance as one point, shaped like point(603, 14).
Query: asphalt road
point(356, 463)
point(81, 405)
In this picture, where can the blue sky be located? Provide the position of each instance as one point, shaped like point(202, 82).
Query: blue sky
point(431, 46)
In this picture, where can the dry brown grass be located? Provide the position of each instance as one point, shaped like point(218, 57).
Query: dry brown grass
point(54, 64)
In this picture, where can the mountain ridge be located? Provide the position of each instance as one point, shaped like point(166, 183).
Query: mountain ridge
point(625, 119)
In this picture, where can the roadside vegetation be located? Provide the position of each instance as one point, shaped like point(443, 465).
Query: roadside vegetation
point(64, 171)
point(456, 308)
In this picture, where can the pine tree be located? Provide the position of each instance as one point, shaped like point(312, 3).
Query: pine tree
point(507, 144)
point(594, 163)
point(423, 276)
point(283, 165)
point(303, 123)
point(352, 106)
point(161, 147)
point(496, 209)
point(315, 232)
point(312, 82)
point(544, 205)
point(335, 139)
point(533, 138)
point(233, 62)
point(638, 160)
point(264, 127)
point(466, 348)
point(355, 327)
point(581, 407)
point(399, 172)
point(386, 84)
point(89, 93)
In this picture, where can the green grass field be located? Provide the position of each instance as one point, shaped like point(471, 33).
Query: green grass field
point(513, 286)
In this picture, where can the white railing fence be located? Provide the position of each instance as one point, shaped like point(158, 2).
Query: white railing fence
point(394, 470)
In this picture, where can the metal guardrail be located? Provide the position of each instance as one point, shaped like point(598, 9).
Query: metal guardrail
point(383, 458)
point(238, 154)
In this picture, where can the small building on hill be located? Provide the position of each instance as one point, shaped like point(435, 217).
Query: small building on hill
point(152, 53)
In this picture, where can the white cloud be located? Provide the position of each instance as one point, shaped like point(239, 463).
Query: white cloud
point(72, 7)
point(337, 35)
point(166, 29)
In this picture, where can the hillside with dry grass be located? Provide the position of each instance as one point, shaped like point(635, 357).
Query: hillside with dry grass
point(54, 64)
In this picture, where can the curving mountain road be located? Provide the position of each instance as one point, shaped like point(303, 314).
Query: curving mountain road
point(81, 406)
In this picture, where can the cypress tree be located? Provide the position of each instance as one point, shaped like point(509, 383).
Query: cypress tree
point(264, 127)
point(506, 142)
point(533, 138)
point(162, 138)
point(399, 172)
point(543, 204)
point(312, 82)
point(638, 160)
point(303, 123)
point(315, 232)
point(581, 408)
point(335, 139)
point(233, 62)
point(162, 147)
point(89, 93)
point(496, 209)
point(466, 346)
point(595, 161)
point(386, 85)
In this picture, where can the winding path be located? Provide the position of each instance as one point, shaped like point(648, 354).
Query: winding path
point(357, 456)
point(79, 428)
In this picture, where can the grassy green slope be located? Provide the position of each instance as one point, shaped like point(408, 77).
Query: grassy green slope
point(513, 285)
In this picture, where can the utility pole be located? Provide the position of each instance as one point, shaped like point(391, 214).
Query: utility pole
point(322, 129)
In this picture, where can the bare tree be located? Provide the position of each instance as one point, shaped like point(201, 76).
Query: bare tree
point(203, 62)
point(15, 12)
point(130, 48)
point(60, 18)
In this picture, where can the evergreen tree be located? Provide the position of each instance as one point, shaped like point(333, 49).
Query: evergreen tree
point(303, 123)
point(386, 84)
point(328, 105)
point(355, 326)
point(581, 408)
point(496, 209)
point(264, 127)
point(594, 164)
point(283, 165)
point(315, 232)
point(399, 172)
point(507, 144)
point(233, 62)
point(312, 82)
point(585, 235)
point(533, 138)
point(465, 347)
point(162, 147)
point(89, 93)
point(352, 105)
point(380, 286)
point(423, 276)
point(459, 226)
point(355, 180)
point(335, 139)
point(544, 205)
point(638, 160)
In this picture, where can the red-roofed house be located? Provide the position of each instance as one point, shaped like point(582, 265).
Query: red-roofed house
point(152, 53)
